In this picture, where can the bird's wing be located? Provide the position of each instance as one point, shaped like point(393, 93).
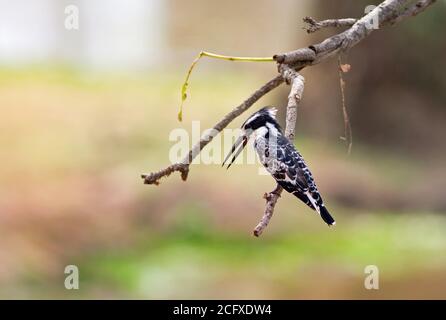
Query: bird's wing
point(291, 171)
point(294, 176)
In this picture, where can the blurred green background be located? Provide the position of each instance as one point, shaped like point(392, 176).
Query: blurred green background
point(85, 112)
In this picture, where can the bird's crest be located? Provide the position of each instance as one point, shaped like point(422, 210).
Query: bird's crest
point(272, 111)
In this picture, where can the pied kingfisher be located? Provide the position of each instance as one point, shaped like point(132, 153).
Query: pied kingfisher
point(281, 159)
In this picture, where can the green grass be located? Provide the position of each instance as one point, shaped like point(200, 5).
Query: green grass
point(197, 256)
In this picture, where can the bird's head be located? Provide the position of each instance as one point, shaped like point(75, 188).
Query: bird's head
point(261, 118)
point(264, 118)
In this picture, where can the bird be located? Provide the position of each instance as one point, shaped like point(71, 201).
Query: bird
point(280, 158)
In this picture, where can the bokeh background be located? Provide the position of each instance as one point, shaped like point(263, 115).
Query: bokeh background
point(85, 112)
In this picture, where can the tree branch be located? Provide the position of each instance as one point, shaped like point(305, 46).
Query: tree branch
point(183, 166)
point(298, 59)
point(297, 82)
point(314, 25)
point(271, 200)
point(413, 10)
point(388, 12)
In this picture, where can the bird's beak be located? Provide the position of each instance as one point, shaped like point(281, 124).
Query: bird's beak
point(242, 140)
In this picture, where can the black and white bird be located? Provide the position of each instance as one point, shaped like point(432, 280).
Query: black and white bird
point(280, 158)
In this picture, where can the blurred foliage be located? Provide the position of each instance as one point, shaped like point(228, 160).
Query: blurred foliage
point(75, 144)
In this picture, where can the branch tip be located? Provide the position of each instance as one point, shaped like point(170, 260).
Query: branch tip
point(313, 25)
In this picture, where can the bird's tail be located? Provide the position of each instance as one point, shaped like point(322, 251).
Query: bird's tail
point(320, 208)
point(326, 216)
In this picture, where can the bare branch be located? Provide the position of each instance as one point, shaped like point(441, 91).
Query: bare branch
point(314, 25)
point(302, 55)
point(300, 58)
point(388, 12)
point(348, 134)
point(293, 78)
point(183, 166)
point(215, 56)
point(271, 200)
point(297, 82)
point(153, 178)
point(413, 10)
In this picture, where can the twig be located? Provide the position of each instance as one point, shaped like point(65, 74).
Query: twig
point(300, 58)
point(234, 58)
point(314, 25)
point(215, 56)
point(388, 12)
point(413, 10)
point(348, 135)
point(303, 55)
point(296, 81)
point(153, 178)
